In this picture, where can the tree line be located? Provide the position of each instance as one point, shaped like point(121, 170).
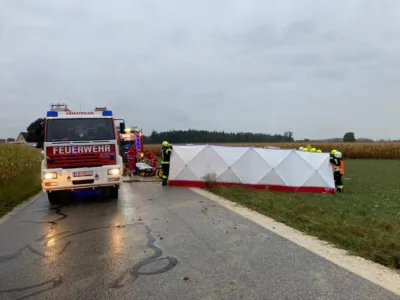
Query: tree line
point(206, 136)
point(193, 136)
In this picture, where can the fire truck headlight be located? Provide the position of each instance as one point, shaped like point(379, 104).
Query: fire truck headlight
point(50, 175)
point(114, 171)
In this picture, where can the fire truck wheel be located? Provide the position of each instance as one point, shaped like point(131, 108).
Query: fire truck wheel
point(114, 192)
point(54, 197)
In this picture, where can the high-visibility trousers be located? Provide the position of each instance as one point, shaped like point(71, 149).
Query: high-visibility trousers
point(159, 172)
point(165, 169)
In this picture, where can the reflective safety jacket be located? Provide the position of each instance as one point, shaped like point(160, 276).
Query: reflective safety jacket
point(335, 164)
point(341, 167)
point(166, 154)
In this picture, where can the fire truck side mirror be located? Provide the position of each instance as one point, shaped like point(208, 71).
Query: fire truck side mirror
point(122, 127)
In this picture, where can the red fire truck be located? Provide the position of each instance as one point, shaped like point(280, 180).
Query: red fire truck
point(131, 136)
point(81, 151)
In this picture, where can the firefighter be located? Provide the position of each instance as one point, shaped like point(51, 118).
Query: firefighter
point(334, 160)
point(313, 150)
point(339, 156)
point(165, 159)
point(319, 151)
point(132, 158)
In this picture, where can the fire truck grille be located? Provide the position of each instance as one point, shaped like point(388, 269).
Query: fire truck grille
point(83, 160)
point(86, 181)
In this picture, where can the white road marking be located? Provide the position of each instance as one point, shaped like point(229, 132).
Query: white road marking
point(18, 208)
point(375, 273)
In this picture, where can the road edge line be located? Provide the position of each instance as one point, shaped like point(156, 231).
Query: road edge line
point(18, 208)
point(371, 271)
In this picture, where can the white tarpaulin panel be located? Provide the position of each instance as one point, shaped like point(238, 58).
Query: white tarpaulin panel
point(276, 169)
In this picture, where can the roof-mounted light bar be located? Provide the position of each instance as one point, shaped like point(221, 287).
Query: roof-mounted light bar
point(105, 113)
point(52, 113)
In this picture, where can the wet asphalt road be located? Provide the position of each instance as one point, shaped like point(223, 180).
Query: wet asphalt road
point(160, 243)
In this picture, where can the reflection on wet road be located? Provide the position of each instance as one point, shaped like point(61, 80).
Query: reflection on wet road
point(159, 243)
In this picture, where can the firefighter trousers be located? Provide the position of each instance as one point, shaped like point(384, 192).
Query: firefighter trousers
point(165, 170)
point(338, 181)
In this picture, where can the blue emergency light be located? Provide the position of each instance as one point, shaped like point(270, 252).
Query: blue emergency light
point(107, 113)
point(52, 114)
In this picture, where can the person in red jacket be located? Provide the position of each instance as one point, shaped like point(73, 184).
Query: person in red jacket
point(153, 159)
point(132, 157)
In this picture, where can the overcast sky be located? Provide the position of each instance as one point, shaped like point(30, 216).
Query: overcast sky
point(317, 68)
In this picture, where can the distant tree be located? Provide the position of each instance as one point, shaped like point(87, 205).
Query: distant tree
point(36, 135)
point(10, 140)
point(288, 136)
point(349, 137)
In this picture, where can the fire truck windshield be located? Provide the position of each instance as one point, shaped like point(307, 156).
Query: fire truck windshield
point(84, 129)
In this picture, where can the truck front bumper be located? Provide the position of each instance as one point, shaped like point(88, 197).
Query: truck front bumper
point(81, 178)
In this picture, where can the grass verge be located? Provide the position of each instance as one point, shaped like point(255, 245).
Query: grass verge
point(364, 220)
point(19, 175)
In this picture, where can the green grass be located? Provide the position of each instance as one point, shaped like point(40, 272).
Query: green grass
point(19, 175)
point(365, 219)
point(19, 189)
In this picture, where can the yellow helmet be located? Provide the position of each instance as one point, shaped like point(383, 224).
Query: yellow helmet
point(333, 151)
point(165, 144)
point(319, 151)
point(306, 150)
point(313, 150)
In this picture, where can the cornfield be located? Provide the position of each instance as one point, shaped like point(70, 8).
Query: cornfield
point(17, 159)
point(349, 150)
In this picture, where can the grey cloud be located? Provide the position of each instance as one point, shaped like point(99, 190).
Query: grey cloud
point(262, 36)
point(329, 74)
point(333, 36)
point(358, 55)
point(304, 59)
point(302, 27)
point(267, 36)
point(229, 65)
point(298, 32)
point(391, 35)
point(179, 38)
point(149, 7)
